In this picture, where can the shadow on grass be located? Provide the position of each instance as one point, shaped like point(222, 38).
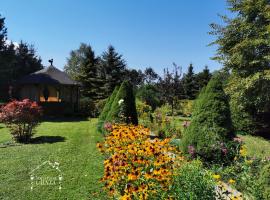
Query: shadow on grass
point(47, 139)
point(265, 133)
point(63, 119)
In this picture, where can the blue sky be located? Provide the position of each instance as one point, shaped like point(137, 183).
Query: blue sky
point(152, 33)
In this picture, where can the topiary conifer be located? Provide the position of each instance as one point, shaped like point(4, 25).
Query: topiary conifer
point(123, 108)
point(211, 125)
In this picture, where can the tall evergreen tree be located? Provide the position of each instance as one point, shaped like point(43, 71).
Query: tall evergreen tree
point(113, 66)
point(3, 33)
point(189, 83)
point(203, 77)
point(89, 75)
point(27, 61)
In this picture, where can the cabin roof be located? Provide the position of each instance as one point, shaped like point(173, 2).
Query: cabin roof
point(48, 75)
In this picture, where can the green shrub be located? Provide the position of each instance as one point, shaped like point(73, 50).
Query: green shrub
point(87, 107)
point(106, 109)
point(264, 181)
point(123, 108)
point(193, 182)
point(150, 95)
point(186, 106)
point(211, 125)
point(100, 104)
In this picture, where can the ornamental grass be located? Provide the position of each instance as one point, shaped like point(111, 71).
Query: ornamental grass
point(135, 166)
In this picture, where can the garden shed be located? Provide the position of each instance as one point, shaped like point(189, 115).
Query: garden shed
point(52, 88)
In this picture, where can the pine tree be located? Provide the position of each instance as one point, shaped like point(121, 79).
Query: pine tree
point(113, 66)
point(189, 83)
point(89, 75)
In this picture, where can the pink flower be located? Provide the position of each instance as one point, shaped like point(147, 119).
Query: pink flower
point(108, 126)
point(237, 139)
point(186, 124)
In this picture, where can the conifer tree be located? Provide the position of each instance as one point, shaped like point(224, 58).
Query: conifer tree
point(123, 108)
point(113, 66)
point(211, 124)
point(203, 77)
point(106, 109)
point(189, 83)
point(89, 75)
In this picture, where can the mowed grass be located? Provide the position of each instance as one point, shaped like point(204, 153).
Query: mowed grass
point(72, 144)
point(256, 146)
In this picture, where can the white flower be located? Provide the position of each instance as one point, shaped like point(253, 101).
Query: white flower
point(120, 101)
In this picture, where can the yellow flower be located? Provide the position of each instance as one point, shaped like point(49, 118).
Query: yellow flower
point(216, 176)
point(231, 181)
point(243, 151)
point(126, 197)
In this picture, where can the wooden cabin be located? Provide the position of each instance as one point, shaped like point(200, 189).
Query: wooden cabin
point(53, 89)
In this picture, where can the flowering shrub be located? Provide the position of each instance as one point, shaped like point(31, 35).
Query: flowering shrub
point(193, 182)
point(135, 166)
point(21, 117)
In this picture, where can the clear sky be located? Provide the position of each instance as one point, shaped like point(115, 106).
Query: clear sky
point(152, 33)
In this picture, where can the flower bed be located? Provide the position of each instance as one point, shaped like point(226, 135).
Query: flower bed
point(137, 167)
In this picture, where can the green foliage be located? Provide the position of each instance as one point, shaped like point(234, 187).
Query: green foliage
point(123, 108)
point(89, 76)
point(171, 87)
point(244, 41)
point(185, 107)
point(211, 124)
point(15, 62)
point(75, 61)
point(150, 95)
point(193, 182)
point(202, 78)
point(249, 100)
point(264, 181)
point(87, 107)
point(190, 84)
point(106, 109)
point(113, 68)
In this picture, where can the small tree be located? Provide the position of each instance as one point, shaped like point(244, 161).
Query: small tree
point(123, 108)
point(211, 127)
point(21, 117)
point(106, 109)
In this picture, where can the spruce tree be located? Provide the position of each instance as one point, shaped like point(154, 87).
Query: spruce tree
point(203, 77)
point(211, 124)
point(113, 66)
point(89, 75)
point(189, 83)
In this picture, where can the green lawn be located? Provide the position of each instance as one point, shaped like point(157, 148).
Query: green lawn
point(72, 144)
point(257, 146)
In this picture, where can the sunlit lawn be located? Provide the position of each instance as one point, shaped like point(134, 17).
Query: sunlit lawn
point(72, 144)
point(257, 146)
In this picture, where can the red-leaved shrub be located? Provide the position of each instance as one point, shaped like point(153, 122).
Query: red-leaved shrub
point(21, 117)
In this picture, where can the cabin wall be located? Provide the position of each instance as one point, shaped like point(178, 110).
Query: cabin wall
point(30, 92)
point(62, 99)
